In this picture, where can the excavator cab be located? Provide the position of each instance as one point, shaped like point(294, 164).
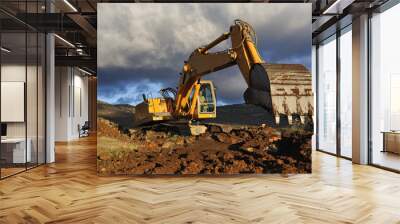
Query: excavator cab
point(206, 100)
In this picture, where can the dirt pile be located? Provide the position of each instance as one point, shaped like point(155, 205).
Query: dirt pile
point(236, 150)
point(106, 128)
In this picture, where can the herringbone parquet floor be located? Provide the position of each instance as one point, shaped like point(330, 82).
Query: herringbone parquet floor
point(69, 191)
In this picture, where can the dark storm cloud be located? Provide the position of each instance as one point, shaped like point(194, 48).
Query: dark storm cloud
point(143, 46)
point(124, 85)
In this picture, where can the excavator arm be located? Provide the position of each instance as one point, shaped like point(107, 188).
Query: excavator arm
point(282, 89)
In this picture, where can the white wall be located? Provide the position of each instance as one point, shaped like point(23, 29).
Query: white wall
point(62, 82)
point(33, 126)
point(17, 73)
point(13, 73)
point(71, 102)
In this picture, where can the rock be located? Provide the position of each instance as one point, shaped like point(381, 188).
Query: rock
point(180, 141)
point(287, 169)
point(104, 156)
point(247, 149)
point(241, 165)
point(221, 137)
point(189, 139)
point(305, 152)
point(272, 149)
point(274, 139)
point(225, 138)
point(198, 129)
point(214, 129)
point(151, 146)
point(171, 152)
point(258, 170)
point(167, 145)
point(290, 160)
point(228, 157)
point(252, 144)
point(244, 134)
point(193, 167)
point(151, 135)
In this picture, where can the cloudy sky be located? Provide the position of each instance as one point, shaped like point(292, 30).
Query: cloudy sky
point(141, 47)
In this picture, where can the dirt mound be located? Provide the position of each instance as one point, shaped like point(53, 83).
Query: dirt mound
point(109, 129)
point(218, 151)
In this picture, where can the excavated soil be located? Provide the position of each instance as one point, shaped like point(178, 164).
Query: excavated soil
point(237, 150)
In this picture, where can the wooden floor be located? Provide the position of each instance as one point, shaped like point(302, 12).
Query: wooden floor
point(387, 159)
point(69, 191)
point(5, 172)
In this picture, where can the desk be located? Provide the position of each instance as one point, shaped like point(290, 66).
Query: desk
point(391, 141)
point(13, 150)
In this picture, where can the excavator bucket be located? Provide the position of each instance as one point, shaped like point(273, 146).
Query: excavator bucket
point(259, 91)
point(283, 89)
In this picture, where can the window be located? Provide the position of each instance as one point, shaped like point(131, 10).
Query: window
point(346, 92)
point(327, 95)
point(385, 89)
point(206, 99)
point(22, 76)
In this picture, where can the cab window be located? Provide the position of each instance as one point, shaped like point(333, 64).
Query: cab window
point(206, 100)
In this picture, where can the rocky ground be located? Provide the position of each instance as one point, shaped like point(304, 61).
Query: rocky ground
point(241, 149)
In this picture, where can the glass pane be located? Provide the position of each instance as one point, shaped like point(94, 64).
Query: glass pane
point(206, 99)
point(327, 96)
point(205, 94)
point(13, 86)
point(31, 97)
point(385, 84)
point(346, 94)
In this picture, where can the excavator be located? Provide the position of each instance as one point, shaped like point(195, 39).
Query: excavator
point(283, 90)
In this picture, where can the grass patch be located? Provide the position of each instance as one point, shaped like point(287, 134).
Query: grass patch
point(114, 147)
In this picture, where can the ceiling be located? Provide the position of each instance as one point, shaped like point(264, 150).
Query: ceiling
point(75, 22)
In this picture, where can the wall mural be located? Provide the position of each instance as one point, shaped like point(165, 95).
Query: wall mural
point(204, 89)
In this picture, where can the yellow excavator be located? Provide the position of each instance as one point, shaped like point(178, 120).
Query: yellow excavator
point(284, 90)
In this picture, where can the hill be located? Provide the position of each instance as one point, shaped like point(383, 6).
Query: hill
point(121, 114)
point(242, 114)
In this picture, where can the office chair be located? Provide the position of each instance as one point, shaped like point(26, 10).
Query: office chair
point(84, 130)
